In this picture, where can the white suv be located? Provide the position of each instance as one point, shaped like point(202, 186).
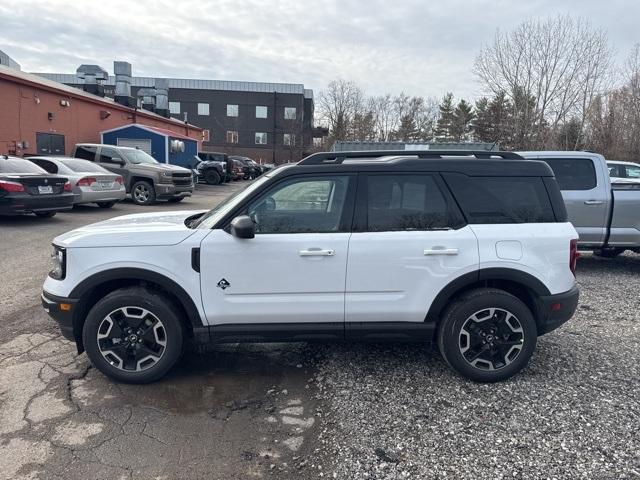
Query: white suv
point(469, 250)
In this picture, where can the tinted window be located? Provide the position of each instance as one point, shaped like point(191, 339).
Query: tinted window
point(615, 170)
point(47, 165)
point(501, 199)
point(83, 166)
point(406, 202)
point(109, 155)
point(88, 153)
point(16, 165)
point(301, 206)
point(573, 173)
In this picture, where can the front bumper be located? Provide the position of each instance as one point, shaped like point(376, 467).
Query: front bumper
point(557, 309)
point(169, 190)
point(55, 307)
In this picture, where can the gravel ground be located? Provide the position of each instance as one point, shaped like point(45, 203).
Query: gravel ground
point(397, 411)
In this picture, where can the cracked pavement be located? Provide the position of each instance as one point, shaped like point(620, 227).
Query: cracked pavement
point(236, 411)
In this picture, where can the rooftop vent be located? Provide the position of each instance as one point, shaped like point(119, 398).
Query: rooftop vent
point(93, 78)
point(7, 61)
point(122, 71)
point(147, 98)
point(162, 97)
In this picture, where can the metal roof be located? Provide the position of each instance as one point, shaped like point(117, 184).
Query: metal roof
point(160, 131)
point(342, 146)
point(187, 83)
point(45, 83)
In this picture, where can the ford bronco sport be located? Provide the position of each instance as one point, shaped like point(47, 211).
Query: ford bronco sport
point(472, 251)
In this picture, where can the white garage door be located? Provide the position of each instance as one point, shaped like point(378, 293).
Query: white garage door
point(144, 145)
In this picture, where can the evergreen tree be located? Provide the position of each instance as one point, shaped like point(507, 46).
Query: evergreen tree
point(443, 131)
point(463, 115)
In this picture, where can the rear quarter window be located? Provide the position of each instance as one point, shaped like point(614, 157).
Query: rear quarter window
point(489, 200)
point(573, 173)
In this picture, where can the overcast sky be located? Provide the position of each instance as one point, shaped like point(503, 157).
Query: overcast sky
point(421, 47)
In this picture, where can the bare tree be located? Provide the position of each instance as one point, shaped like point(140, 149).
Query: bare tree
point(338, 105)
point(560, 64)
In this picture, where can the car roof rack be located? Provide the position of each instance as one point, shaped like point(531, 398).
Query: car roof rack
point(336, 158)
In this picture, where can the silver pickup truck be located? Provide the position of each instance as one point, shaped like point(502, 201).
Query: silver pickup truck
point(606, 215)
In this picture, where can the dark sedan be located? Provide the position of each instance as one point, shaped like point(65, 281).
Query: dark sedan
point(27, 188)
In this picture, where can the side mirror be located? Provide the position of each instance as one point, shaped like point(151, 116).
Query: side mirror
point(243, 227)
point(122, 163)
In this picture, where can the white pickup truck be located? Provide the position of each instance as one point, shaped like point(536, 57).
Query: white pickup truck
point(606, 215)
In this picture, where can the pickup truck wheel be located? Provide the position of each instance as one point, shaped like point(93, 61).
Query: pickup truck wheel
point(608, 252)
point(487, 335)
point(133, 335)
point(143, 193)
point(212, 177)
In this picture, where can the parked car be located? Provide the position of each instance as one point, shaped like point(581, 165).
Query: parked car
point(250, 168)
point(219, 157)
point(475, 254)
point(213, 172)
point(623, 172)
point(90, 183)
point(606, 215)
point(145, 179)
point(27, 188)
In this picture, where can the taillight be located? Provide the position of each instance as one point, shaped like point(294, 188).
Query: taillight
point(11, 186)
point(67, 187)
point(119, 180)
point(573, 255)
point(86, 181)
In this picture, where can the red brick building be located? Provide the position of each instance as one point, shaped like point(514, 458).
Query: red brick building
point(40, 116)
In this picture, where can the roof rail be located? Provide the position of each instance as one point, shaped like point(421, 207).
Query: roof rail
point(336, 158)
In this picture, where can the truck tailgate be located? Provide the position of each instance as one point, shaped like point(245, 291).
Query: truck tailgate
point(625, 222)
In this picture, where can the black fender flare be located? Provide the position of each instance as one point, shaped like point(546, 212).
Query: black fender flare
point(464, 281)
point(140, 274)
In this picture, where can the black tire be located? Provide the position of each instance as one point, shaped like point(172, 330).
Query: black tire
point(106, 204)
point(176, 199)
point(212, 177)
point(135, 298)
point(608, 252)
point(143, 193)
point(45, 214)
point(513, 349)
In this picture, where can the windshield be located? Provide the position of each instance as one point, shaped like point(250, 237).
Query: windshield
point(139, 156)
point(82, 166)
point(209, 219)
point(17, 165)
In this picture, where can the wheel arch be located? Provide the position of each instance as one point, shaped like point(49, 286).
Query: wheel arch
point(93, 288)
point(138, 178)
point(521, 284)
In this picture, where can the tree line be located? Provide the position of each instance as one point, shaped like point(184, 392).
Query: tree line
point(548, 84)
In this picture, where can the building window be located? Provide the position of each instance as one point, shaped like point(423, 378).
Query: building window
point(232, 136)
point(261, 138)
point(203, 109)
point(289, 113)
point(289, 139)
point(232, 110)
point(318, 141)
point(174, 107)
point(261, 111)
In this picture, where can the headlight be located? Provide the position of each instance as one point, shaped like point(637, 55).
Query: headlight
point(58, 262)
point(167, 174)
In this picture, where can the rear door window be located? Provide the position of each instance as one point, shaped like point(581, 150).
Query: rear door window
point(573, 173)
point(86, 153)
point(407, 202)
point(490, 200)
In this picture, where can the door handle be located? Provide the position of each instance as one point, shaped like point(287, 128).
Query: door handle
point(593, 202)
point(441, 251)
point(317, 252)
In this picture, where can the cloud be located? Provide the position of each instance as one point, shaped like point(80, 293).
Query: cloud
point(420, 47)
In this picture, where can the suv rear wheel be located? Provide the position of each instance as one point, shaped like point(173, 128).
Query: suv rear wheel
point(487, 335)
point(133, 335)
point(143, 193)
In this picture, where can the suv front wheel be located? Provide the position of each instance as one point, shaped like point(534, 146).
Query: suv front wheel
point(487, 335)
point(143, 193)
point(133, 335)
